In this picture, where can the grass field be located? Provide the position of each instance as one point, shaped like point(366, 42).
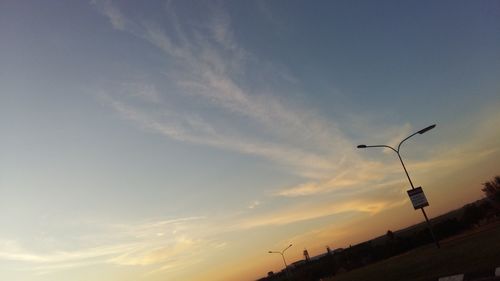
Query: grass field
point(476, 251)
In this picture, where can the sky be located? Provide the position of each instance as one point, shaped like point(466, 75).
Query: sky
point(183, 140)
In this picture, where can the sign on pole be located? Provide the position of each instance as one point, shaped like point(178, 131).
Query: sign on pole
point(418, 198)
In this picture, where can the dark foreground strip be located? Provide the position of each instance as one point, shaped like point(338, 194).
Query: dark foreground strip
point(473, 276)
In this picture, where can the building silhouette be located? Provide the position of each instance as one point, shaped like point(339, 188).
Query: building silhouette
point(306, 255)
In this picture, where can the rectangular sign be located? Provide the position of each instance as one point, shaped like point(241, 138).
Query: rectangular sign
point(418, 198)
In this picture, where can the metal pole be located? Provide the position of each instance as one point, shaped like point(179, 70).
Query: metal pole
point(283, 256)
point(282, 253)
point(404, 167)
point(436, 241)
point(286, 266)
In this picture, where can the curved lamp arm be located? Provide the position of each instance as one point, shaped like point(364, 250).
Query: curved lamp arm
point(286, 248)
point(379, 145)
point(419, 132)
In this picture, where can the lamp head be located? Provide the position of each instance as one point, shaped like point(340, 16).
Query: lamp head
point(362, 146)
point(426, 129)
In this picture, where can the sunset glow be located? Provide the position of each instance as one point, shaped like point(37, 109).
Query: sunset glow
point(183, 140)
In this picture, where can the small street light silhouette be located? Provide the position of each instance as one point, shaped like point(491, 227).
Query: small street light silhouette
point(406, 172)
point(282, 253)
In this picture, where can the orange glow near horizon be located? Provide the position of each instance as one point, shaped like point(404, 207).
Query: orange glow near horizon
point(183, 140)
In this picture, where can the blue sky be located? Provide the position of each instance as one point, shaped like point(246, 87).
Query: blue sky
point(170, 139)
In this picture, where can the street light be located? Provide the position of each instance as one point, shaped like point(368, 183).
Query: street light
point(282, 253)
point(406, 172)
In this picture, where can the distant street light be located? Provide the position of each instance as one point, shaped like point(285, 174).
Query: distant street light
point(282, 253)
point(406, 172)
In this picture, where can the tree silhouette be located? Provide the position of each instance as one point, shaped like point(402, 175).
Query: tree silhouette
point(492, 189)
point(390, 235)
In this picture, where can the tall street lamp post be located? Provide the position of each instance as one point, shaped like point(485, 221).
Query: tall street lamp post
point(436, 241)
point(282, 253)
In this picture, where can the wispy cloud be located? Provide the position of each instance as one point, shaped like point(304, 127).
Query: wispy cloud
point(303, 212)
point(352, 176)
point(112, 13)
point(11, 250)
point(211, 96)
point(207, 101)
point(254, 204)
point(162, 244)
point(208, 65)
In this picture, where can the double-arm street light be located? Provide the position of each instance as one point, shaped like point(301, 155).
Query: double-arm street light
point(282, 253)
point(406, 172)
